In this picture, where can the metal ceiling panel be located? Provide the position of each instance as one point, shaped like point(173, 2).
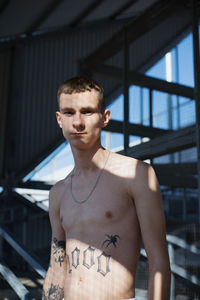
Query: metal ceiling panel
point(17, 16)
point(64, 14)
point(105, 10)
point(138, 7)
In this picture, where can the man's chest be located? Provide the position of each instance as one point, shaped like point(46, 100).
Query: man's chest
point(108, 203)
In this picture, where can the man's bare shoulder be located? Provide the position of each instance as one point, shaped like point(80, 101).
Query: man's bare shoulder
point(129, 166)
point(59, 187)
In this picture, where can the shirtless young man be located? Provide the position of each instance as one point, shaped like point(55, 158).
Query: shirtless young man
point(102, 211)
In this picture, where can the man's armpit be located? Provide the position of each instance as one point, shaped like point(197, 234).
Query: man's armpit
point(59, 251)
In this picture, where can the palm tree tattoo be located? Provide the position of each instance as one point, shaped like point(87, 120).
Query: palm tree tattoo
point(111, 239)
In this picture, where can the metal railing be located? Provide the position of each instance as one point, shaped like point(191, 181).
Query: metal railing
point(176, 269)
point(23, 293)
point(13, 281)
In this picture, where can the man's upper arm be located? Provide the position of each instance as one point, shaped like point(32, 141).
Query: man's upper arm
point(147, 198)
point(58, 244)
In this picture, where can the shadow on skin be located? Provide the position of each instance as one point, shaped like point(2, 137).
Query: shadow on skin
point(104, 234)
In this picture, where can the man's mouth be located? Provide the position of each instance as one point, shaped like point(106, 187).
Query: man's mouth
point(78, 133)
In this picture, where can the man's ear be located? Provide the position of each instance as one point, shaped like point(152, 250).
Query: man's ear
point(58, 117)
point(106, 118)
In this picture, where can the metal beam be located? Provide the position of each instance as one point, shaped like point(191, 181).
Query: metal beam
point(43, 15)
point(39, 158)
point(26, 256)
point(142, 80)
point(36, 185)
point(136, 129)
point(123, 8)
point(176, 168)
point(126, 91)
point(169, 143)
point(173, 175)
point(149, 19)
point(85, 13)
point(15, 283)
point(3, 5)
point(195, 31)
point(177, 181)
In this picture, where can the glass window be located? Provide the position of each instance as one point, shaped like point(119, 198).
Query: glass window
point(158, 70)
point(117, 109)
point(112, 141)
point(185, 61)
point(160, 109)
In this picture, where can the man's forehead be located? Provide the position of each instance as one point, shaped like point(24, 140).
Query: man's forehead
point(84, 98)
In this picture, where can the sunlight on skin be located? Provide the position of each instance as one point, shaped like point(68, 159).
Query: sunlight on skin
point(157, 286)
point(87, 282)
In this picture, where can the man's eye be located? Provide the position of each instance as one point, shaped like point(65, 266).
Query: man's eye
point(68, 112)
point(88, 112)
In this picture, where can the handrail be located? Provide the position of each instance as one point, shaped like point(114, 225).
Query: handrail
point(172, 240)
point(181, 243)
point(175, 269)
point(15, 283)
point(27, 257)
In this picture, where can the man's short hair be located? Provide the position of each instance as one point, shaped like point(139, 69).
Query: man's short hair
point(81, 85)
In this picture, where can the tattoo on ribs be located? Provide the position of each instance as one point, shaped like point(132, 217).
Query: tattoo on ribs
point(54, 293)
point(111, 239)
point(59, 251)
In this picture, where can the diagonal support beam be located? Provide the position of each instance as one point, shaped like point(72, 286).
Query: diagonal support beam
point(179, 140)
point(151, 17)
point(44, 14)
point(142, 80)
point(85, 13)
point(136, 129)
point(174, 175)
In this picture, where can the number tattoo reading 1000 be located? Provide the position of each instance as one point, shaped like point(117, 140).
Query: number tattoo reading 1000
point(88, 255)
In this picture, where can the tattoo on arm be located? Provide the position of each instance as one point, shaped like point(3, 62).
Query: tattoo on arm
point(59, 251)
point(54, 293)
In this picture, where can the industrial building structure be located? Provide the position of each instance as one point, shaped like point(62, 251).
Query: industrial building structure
point(42, 43)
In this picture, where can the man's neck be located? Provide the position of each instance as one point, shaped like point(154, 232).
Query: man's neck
point(89, 160)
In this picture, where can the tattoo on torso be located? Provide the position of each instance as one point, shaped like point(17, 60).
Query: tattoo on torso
point(102, 261)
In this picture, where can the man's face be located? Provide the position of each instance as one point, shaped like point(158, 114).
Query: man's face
point(80, 118)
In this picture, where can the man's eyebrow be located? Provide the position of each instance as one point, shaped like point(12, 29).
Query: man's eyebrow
point(88, 108)
point(66, 108)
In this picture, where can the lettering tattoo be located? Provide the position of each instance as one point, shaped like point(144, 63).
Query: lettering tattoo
point(111, 239)
point(59, 251)
point(54, 293)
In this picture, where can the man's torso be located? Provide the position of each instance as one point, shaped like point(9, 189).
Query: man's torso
point(103, 237)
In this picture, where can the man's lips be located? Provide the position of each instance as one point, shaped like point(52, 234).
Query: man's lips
point(78, 133)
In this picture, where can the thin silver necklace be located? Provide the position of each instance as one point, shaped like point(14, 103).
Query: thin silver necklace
point(92, 190)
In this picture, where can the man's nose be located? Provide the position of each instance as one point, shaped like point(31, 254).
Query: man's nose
point(78, 121)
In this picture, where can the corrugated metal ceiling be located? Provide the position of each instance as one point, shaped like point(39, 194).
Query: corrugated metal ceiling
point(20, 17)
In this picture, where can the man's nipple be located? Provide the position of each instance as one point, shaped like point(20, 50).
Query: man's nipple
point(109, 215)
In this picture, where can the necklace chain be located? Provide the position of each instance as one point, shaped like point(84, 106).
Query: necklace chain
point(92, 190)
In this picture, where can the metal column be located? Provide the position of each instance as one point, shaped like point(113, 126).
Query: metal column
point(196, 89)
point(126, 91)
